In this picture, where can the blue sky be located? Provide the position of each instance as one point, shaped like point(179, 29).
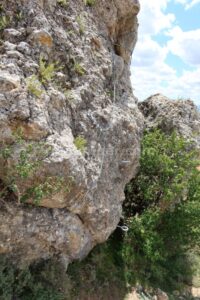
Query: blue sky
point(167, 56)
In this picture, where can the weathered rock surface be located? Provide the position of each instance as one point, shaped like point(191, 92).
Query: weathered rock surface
point(180, 115)
point(89, 95)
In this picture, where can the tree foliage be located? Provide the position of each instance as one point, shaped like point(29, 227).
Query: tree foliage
point(163, 209)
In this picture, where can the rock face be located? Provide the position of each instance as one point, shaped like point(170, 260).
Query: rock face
point(183, 116)
point(64, 73)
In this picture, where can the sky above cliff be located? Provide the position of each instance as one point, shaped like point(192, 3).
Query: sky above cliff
point(167, 56)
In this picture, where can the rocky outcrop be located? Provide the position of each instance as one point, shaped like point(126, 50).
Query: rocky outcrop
point(64, 73)
point(168, 115)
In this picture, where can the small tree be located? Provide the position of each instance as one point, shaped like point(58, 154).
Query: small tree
point(162, 208)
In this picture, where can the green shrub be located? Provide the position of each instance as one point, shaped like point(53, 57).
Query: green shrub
point(162, 208)
point(155, 250)
point(38, 282)
point(99, 274)
point(167, 165)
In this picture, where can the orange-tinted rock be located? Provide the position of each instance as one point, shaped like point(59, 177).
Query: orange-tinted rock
point(43, 38)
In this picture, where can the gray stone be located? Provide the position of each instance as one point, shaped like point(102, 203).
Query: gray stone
point(96, 104)
point(24, 48)
point(8, 82)
point(180, 115)
point(9, 46)
point(12, 34)
point(162, 295)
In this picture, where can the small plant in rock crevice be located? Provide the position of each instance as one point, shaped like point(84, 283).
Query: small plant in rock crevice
point(34, 86)
point(19, 164)
point(46, 74)
point(80, 143)
point(4, 19)
point(89, 2)
point(62, 3)
point(19, 15)
point(4, 22)
point(78, 68)
point(49, 187)
point(81, 24)
point(69, 95)
point(46, 71)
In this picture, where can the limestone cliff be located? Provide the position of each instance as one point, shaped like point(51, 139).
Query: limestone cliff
point(64, 74)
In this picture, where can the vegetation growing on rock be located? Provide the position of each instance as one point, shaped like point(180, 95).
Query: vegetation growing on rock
point(19, 162)
point(57, 65)
point(80, 143)
point(162, 211)
point(99, 276)
point(90, 2)
point(88, 103)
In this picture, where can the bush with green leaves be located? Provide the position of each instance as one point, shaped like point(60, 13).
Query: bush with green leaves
point(42, 281)
point(162, 209)
point(167, 166)
point(101, 273)
point(163, 221)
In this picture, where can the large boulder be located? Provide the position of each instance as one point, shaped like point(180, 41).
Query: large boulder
point(87, 94)
point(169, 115)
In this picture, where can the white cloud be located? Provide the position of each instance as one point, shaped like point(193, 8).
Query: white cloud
point(185, 44)
point(191, 4)
point(188, 3)
point(148, 81)
point(150, 73)
point(183, 2)
point(147, 52)
point(152, 20)
point(163, 79)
